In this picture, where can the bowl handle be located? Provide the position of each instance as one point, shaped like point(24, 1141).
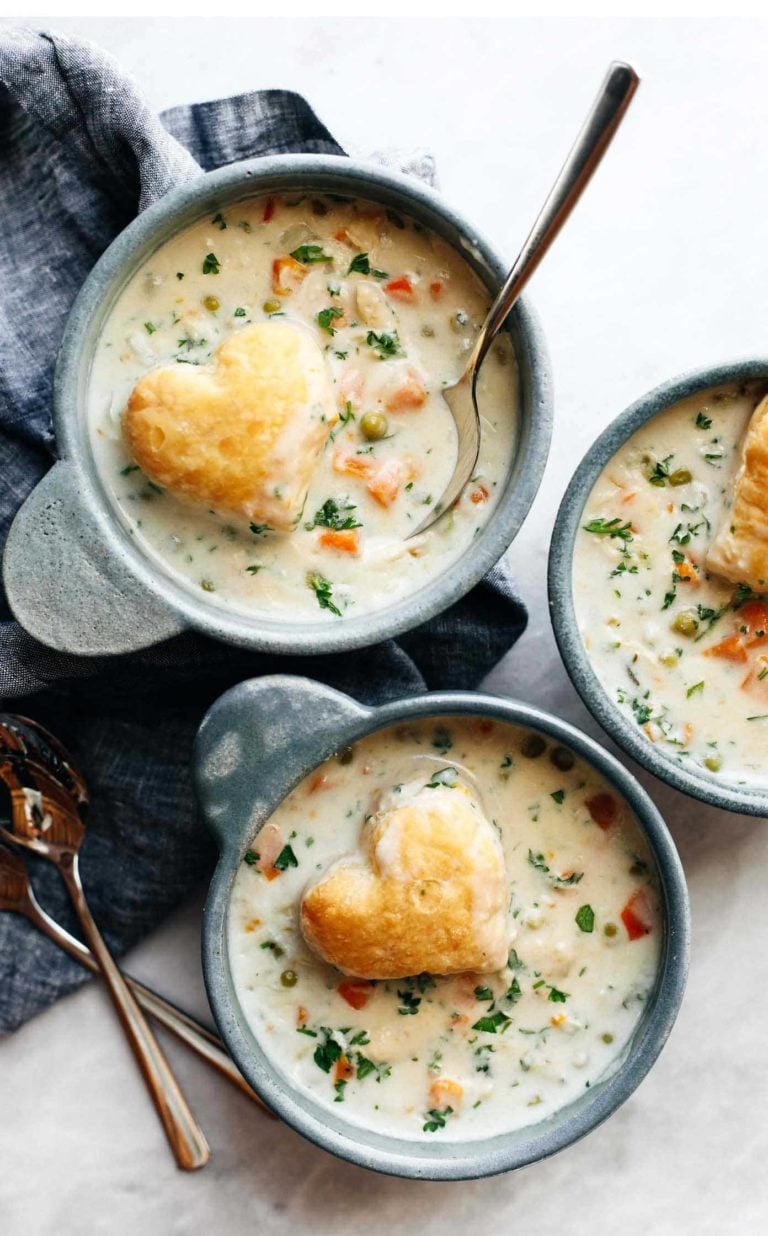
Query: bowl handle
point(67, 587)
point(258, 740)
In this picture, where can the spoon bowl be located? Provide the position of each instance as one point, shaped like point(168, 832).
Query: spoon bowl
point(47, 816)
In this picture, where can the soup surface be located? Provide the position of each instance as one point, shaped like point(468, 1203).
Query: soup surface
point(395, 311)
point(470, 1055)
point(681, 651)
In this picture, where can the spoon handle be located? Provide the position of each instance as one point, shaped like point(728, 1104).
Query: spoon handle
point(182, 1130)
point(196, 1036)
point(595, 136)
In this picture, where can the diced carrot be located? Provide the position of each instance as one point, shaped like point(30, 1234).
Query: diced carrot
point(729, 649)
point(320, 781)
point(756, 680)
point(271, 873)
point(252, 924)
point(445, 1093)
point(558, 1020)
point(686, 572)
point(409, 394)
point(287, 275)
point(384, 484)
point(356, 992)
point(630, 497)
point(351, 388)
point(353, 465)
point(754, 616)
point(604, 809)
point(302, 1016)
point(479, 495)
point(401, 289)
point(269, 209)
point(346, 540)
point(344, 1069)
point(636, 915)
point(436, 289)
point(383, 477)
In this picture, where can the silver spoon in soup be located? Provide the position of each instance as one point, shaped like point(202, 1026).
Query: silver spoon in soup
point(603, 120)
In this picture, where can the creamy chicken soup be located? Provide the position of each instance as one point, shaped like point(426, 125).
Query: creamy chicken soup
point(394, 311)
point(681, 651)
point(472, 1054)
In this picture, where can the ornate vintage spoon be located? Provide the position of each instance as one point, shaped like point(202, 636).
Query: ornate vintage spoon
point(17, 896)
point(48, 817)
point(591, 144)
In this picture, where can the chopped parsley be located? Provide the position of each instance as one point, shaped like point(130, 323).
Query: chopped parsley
point(286, 858)
point(211, 264)
point(333, 515)
point(556, 996)
point(326, 317)
point(493, 1023)
point(437, 1118)
point(702, 421)
point(697, 688)
point(309, 255)
point(239, 312)
point(387, 344)
point(220, 221)
point(361, 265)
point(323, 590)
point(558, 795)
point(328, 1052)
point(585, 918)
point(538, 861)
point(149, 328)
point(259, 529)
point(250, 857)
point(610, 527)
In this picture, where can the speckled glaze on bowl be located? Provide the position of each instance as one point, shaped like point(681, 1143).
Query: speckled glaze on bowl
point(697, 783)
point(254, 746)
point(74, 577)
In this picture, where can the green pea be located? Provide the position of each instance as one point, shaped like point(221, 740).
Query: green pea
point(686, 622)
point(610, 929)
point(212, 303)
point(714, 763)
point(533, 746)
point(289, 978)
point(680, 477)
point(374, 426)
point(271, 306)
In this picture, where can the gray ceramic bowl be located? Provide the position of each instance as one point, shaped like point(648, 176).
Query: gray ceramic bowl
point(74, 577)
point(628, 735)
point(256, 743)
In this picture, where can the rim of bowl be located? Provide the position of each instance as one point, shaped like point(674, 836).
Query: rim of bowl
point(217, 189)
point(560, 587)
point(506, 1151)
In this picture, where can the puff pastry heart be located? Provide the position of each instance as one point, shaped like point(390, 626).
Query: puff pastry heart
point(427, 892)
point(241, 434)
point(739, 551)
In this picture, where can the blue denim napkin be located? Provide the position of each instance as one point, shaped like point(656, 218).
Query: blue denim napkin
point(80, 154)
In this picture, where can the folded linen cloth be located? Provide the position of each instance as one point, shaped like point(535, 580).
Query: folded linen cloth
point(80, 154)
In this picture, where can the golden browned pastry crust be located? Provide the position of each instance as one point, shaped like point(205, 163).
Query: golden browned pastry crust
point(241, 434)
point(739, 552)
point(426, 893)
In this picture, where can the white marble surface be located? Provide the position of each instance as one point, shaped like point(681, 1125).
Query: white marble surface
point(662, 268)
